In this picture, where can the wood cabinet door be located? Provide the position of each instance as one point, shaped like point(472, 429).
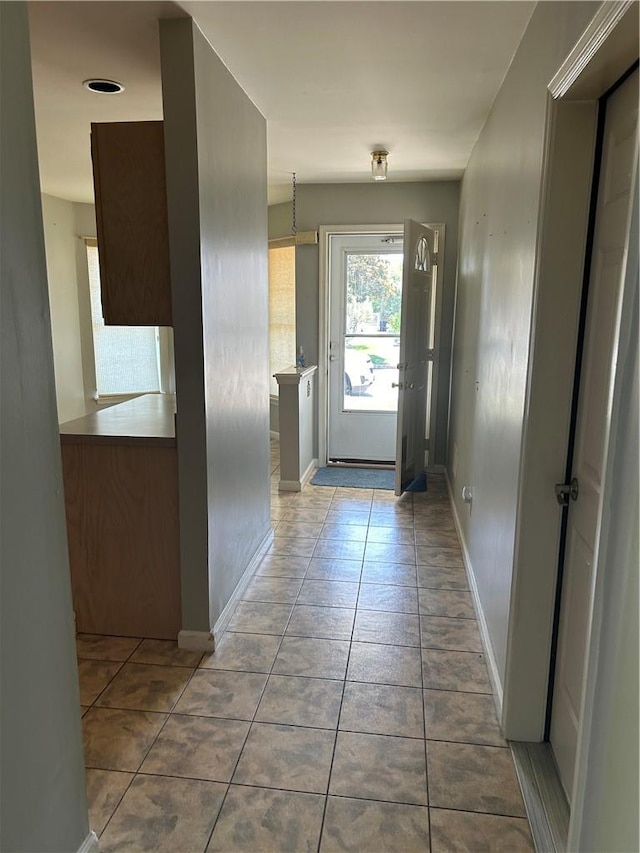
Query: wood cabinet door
point(131, 214)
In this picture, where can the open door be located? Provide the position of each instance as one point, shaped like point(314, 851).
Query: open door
point(415, 415)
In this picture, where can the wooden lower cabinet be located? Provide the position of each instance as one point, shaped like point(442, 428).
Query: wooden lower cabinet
point(123, 531)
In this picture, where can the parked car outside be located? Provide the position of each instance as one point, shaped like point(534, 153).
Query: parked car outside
point(358, 372)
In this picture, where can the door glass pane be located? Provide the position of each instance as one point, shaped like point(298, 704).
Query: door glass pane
point(371, 340)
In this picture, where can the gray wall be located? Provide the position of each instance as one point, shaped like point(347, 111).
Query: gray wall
point(280, 220)
point(217, 193)
point(42, 792)
point(371, 204)
point(499, 207)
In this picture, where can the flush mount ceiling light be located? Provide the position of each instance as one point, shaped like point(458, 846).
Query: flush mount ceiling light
point(103, 87)
point(379, 165)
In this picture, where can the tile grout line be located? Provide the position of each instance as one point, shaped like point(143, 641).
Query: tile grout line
point(136, 773)
point(424, 715)
point(251, 722)
point(335, 743)
point(281, 635)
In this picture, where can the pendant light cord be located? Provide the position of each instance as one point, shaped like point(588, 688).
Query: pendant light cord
point(293, 204)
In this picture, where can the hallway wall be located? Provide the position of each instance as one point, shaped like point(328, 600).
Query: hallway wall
point(215, 144)
point(43, 802)
point(499, 208)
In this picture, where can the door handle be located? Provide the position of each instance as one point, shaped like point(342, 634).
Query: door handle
point(333, 358)
point(566, 492)
point(403, 386)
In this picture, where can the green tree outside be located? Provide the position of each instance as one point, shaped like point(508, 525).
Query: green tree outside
point(374, 293)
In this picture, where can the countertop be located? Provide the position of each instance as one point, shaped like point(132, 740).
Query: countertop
point(148, 420)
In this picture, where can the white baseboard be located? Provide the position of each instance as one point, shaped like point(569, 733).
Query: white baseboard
point(90, 844)
point(289, 486)
point(492, 666)
point(298, 485)
point(308, 474)
point(196, 641)
point(274, 436)
point(247, 575)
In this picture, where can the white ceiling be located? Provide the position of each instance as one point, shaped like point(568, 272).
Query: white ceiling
point(333, 79)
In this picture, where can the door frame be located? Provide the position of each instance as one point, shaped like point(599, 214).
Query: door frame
point(606, 50)
point(325, 232)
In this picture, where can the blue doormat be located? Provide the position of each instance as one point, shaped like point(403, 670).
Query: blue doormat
point(355, 478)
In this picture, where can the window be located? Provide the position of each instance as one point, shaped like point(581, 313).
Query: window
point(282, 311)
point(127, 358)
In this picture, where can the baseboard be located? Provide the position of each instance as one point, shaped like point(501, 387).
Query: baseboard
point(298, 485)
point(308, 474)
point(90, 844)
point(225, 617)
point(196, 641)
point(274, 436)
point(492, 667)
point(289, 486)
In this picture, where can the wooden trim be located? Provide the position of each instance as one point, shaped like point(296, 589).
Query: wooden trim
point(591, 43)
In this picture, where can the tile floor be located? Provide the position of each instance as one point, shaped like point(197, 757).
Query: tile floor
point(347, 707)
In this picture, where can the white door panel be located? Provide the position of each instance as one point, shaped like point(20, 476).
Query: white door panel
point(618, 171)
point(364, 315)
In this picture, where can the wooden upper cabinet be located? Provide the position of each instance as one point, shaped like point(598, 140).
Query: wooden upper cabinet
point(131, 213)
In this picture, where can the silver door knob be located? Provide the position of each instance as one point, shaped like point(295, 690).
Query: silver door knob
point(566, 492)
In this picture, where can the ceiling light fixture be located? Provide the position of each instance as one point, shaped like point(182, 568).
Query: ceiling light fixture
point(103, 87)
point(379, 165)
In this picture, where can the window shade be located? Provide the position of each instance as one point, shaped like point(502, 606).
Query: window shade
point(282, 311)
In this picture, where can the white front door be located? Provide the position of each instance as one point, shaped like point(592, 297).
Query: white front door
point(365, 297)
point(611, 238)
point(416, 412)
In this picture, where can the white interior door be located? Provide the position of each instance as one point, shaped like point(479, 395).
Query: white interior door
point(416, 416)
point(365, 297)
point(611, 238)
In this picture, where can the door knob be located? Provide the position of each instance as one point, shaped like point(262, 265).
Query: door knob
point(566, 492)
